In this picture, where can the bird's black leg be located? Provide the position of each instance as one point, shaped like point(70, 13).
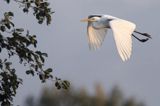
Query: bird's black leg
point(141, 40)
point(144, 34)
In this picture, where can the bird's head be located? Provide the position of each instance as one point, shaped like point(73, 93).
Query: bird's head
point(91, 18)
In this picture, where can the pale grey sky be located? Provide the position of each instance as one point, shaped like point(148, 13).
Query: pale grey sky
point(65, 41)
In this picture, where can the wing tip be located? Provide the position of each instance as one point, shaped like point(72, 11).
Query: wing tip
point(124, 59)
point(93, 48)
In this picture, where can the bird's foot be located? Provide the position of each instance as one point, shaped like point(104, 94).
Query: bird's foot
point(147, 35)
point(144, 40)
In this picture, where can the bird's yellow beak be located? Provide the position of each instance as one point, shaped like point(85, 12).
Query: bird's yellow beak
point(87, 20)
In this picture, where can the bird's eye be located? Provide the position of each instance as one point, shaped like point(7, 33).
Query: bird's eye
point(93, 19)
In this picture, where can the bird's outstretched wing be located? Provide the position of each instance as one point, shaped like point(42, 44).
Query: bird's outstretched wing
point(122, 31)
point(95, 36)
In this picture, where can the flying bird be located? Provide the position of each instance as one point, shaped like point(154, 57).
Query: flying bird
point(122, 30)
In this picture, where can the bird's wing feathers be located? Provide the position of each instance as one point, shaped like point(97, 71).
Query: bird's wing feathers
point(95, 37)
point(122, 31)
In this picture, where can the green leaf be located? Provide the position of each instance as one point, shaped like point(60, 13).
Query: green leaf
point(30, 72)
point(57, 85)
point(48, 17)
point(38, 52)
point(45, 54)
point(8, 25)
point(2, 28)
point(42, 78)
point(51, 76)
point(65, 84)
point(47, 73)
point(10, 14)
point(42, 59)
point(25, 10)
point(12, 24)
point(20, 29)
point(8, 63)
point(28, 5)
point(49, 70)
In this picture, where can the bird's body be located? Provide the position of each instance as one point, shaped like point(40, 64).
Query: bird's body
point(102, 21)
point(122, 31)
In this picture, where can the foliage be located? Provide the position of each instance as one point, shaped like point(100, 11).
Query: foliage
point(81, 98)
point(16, 42)
point(40, 9)
point(9, 83)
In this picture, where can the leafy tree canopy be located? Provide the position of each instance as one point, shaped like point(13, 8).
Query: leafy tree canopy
point(17, 42)
point(82, 98)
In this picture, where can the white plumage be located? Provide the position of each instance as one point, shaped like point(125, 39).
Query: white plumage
point(122, 31)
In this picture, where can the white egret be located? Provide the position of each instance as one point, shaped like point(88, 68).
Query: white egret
point(122, 31)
